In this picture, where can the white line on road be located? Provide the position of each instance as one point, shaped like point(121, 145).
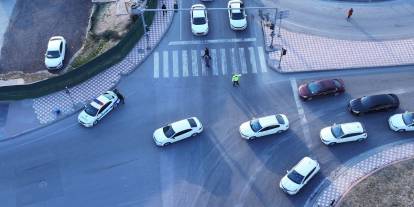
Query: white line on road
point(252, 59)
point(156, 65)
point(235, 67)
point(223, 61)
point(214, 65)
point(301, 112)
point(194, 58)
point(243, 64)
point(185, 63)
point(165, 64)
point(262, 60)
point(200, 42)
point(175, 64)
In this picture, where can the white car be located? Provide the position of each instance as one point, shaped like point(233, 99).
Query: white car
point(264, 126)
point(402, 122)
point(177, 131)
point(199, 19)
point(340, 133)
point(237, 15)
point(55, 53)
point(299, 175)
point(98, 108)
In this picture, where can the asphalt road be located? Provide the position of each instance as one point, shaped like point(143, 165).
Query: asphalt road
point(117, 163)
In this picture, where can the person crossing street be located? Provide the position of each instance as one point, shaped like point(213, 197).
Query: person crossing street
point(235, 79)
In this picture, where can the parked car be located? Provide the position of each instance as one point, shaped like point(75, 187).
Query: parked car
point(366, 104)
point(308, 91)
point(299, 175)
point(199, 19)
point(55, 54)
point(402, 122)
point(264, 126)
point(340, 133)
point(237, 15)
point(98, 108)
point(177, 131)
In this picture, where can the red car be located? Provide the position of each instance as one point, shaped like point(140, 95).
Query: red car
point(321, 88)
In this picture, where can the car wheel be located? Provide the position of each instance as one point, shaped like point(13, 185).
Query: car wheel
point(165, 144)
point(331, 143)
point(335, 94)
point(194, 134)
point(251, 138)
point(401, 130)
point(360, 139)
point(95, 122)
point(308, 99)
point(280, 131)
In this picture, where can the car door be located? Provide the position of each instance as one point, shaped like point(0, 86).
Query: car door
point(181, 135)
point(348, 137)
point(308, 177)
point(268, 130)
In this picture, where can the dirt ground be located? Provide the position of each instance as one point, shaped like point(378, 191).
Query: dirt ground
point(388, 187)
point(32, 24)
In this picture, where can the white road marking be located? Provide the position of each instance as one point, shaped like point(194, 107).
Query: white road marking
point(252, 59)
point(175, 64)
point(203, 65)
point(165, 64)
point(223, 61)
point(156, 65)
point(262, 60)
point(185, 63)
point(243, 64)
point(301, 112)
point(214, 61)
point(199, 42)
point(194, 58)
point(235, 67)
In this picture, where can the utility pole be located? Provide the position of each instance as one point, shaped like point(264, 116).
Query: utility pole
point(283, 53)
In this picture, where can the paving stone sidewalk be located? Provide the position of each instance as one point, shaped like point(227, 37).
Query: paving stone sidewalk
point(315, 53)
point(334, 187)
point(74, 98)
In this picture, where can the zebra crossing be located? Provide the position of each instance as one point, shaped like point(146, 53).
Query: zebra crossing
point(188, 62)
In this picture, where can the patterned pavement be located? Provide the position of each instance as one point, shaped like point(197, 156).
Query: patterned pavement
point(341, 181)
point(69, 102)
point(314, 53)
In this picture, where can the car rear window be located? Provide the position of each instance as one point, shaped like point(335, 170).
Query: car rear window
point(192, 122)
point(280, 119)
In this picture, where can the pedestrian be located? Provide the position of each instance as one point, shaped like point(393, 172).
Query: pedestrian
point(164, 9)
point(120, 96)
point(235, 79)
point(350, 12)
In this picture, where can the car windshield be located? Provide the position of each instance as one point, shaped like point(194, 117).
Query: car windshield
point(168, 131)
point(315, 87)
point(337, 131)
point(337, 83)
point(408, 118)
point(237, 15)
point(295, 177)
point(280, 119)
point(255, 125)
point(52, 54)
point(90, 110)
point(199, 21)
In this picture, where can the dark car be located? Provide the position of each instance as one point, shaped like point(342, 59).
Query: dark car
point(373, 103)
point(321, 88)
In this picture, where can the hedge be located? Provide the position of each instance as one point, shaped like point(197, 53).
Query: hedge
point(86, 71)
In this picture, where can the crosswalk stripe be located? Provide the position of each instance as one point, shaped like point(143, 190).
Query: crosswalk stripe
point(156, 65)
point(252, 59)
point(175, 63)
point(165, 64)
point(223, 61)
point(184, 56)
point(243, 64)
point(262, 60)
point(194, 58)
point(234, 66)
point(214, 65)
point(203, 65)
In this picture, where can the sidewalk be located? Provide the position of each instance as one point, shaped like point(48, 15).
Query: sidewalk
point(316, 53)
point(335, 186)
point(31, 114)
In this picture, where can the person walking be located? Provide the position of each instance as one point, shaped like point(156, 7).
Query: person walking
point(120, 96)
point(350, 12)
point(164, 9)
point(235, 79)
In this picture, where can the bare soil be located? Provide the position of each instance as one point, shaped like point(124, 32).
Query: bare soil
point(388, 187)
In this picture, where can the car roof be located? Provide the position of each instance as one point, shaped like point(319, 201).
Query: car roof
point(100, 101)
point(353, 127)
point(54, 43)
point(380, 99)
point(199, 12)
point(181, 125)
point(268, 120)
point(305, 166)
